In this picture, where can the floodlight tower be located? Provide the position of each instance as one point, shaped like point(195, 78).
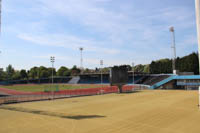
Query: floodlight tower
point(52, 59)
point(101, 63)
point(0, 14)
point(81, 64)
point(197, 5)
point(133, 73)
point(197, 2)
point(174, 50)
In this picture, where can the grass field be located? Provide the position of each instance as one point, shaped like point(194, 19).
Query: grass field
point(142, 112)
point(43, 87)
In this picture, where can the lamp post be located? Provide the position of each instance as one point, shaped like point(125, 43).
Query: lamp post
point(197, 5)
point(174, 49)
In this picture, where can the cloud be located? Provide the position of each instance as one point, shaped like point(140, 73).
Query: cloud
point(115, 31)
point(67, 41)
point(118, 25)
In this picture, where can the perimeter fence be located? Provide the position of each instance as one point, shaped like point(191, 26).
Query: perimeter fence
point(50, 95)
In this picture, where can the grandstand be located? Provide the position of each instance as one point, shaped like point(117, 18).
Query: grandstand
point(188, 82)
point(154, 81)
point(94, 79)
point(37, 81)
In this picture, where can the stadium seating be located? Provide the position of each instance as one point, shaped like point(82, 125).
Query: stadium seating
point(87, 79)
point(151, 80)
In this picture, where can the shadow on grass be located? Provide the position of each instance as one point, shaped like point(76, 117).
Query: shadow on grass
point(79, 117)
point(54, 114)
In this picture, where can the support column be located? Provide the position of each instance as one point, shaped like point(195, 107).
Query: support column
point(197, 3)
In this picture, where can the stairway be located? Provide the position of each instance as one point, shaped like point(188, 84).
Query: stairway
point(74, 80)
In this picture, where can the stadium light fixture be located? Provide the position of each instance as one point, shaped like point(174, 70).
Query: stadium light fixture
point(81, 63)
point(197, 6)
point(171, 29)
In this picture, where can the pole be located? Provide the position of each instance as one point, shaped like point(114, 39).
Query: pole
point(174, 50)
point(52, 80)
point(133, 76)
point(101, 63)
point(133, 73)
point(0, 14)
point(81, 59)
point(199, 98)
point(197, 4)
point(52, 73)
point(81, 63)
point(52, 59)
point(174, 47)
point(0, 17)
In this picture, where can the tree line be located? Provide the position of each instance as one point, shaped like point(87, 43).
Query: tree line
point(36, 73)
point(189, 63)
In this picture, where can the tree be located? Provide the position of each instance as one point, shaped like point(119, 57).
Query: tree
point(44, 72)
point(23, 74)
point(146, 69)
point(139, 68)
point(33, 73)
point(16, 75)
point(63, 71)
point(10, 72)
point(187, 63)
point(2, 75)
point(75, 70)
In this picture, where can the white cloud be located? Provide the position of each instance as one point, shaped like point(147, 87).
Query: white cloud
point(120, 26)
point(120, 31)
point(67, 41)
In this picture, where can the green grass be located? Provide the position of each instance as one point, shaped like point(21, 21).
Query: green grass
point(47, 87)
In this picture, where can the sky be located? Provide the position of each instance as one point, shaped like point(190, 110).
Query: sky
point(115, 31)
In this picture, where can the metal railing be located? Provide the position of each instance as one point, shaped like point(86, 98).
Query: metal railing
point(38, 96)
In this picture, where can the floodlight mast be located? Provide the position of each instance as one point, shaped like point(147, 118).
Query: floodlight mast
point(81, 64)
point(197, 2)
point(0, 14)
point(101, 63)
point(197, 5)
point(0, 17)
point(174, 50)
point(133, 73)
point(52, 59)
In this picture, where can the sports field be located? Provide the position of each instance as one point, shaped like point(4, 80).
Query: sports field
point(142, 112)
point(47, 87)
